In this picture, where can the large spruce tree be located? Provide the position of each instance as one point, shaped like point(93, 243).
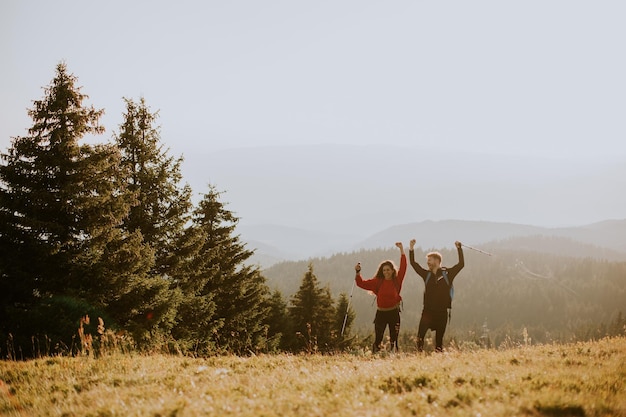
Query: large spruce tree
point(61, 203)
point(163, 205)
point(161, 213)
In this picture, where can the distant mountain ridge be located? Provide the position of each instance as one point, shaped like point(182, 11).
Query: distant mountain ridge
point(606, 239)
point(610, 234)
point(313, 200)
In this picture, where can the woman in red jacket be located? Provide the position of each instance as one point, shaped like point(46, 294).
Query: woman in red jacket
point(386, 285)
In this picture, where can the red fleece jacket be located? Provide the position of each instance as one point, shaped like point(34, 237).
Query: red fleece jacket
point(389, 292)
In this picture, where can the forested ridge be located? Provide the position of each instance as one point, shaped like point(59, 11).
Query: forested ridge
point(555, 298)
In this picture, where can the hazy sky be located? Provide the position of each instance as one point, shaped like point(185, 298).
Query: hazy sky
point(518, 77)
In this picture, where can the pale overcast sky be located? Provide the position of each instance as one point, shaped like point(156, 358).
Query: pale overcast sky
point(530, 77)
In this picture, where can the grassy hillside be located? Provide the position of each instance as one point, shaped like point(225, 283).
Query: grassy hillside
point(583, 379)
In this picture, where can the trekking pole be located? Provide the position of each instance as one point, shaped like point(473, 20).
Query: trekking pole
point(477, 250)
point(345, 318)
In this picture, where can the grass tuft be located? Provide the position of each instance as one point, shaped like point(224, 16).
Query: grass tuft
point(402, 383)
point(560, 410)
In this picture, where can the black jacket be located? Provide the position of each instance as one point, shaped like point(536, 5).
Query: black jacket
point(437, 291)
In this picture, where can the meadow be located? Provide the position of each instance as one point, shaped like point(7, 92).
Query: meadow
point(579, 379)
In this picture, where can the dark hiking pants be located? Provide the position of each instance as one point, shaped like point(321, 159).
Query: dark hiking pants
point(383, 319)
point(435, 321)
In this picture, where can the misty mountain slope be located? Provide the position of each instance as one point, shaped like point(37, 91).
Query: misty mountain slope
point(265, 255)
point(294, 243)
point(603, 240)
point(554, 246)
point(609, 234)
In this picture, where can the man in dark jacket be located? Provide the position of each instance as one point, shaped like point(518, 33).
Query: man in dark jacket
point(437, 296)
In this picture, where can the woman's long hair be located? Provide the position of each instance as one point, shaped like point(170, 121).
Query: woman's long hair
point(379, 273)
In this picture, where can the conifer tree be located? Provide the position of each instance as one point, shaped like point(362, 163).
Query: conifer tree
point(344, 316)
point(159, 214)
point(327, 333)
point(163, 206)
point(237, 289)
point(196, 324)
point(41, 180)
point(313, 313)
point(280, 332)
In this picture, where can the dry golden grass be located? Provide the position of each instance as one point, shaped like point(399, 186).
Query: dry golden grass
point(584, 379)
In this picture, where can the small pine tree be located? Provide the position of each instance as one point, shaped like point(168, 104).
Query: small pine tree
point(343, 320)
point(326, 313)
point(280, 327)
point(313, 314)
